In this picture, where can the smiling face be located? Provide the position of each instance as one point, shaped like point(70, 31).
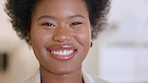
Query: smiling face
point(60, 34)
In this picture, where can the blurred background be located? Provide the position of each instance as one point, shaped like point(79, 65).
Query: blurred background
point(119, 55)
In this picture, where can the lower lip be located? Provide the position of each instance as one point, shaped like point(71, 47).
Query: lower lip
point(62, 57)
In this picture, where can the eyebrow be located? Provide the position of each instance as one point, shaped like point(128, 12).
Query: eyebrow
point(77, 15)
point(53, 17)
point(47, 16)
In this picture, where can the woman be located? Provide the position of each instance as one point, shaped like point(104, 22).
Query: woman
point(60, 33)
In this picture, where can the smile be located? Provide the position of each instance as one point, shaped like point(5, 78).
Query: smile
point(63, 52)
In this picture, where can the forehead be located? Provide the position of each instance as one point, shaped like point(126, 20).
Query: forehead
point(61, 7)
point(61, 3)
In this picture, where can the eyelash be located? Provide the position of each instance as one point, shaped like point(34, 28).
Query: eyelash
point(48, 24)
point(75, 23)
point(52, 25)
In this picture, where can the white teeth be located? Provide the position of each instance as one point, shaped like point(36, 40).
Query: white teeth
point(63, 53)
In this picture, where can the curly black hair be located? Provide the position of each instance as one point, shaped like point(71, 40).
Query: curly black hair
point(20, 12)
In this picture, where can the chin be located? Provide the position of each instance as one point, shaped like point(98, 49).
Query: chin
point(65, 71)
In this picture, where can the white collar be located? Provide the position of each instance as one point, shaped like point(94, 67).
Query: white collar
point(87, 78)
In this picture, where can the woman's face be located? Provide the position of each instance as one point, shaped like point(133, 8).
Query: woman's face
point(60, 34)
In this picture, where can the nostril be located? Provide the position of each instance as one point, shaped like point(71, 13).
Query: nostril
point(62, 37)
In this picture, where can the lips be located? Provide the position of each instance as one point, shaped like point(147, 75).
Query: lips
point(62, 52)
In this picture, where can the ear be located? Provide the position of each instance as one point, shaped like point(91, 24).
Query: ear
point(91, 28)
point(91, 44)
point(28, 36)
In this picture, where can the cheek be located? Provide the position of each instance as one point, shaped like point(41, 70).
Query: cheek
point(84, 36)
point(38, 38)
point(84, 39)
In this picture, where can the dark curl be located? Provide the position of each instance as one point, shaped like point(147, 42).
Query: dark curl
point(20, 12)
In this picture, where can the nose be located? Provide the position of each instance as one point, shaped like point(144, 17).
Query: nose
point(62, 35)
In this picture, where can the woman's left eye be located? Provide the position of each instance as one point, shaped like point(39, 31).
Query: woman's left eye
point(75, 23)
point(47, 24)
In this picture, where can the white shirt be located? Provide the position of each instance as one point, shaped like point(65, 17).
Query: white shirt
point(87, 78)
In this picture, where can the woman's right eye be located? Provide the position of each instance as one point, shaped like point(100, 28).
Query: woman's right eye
point(48, 24)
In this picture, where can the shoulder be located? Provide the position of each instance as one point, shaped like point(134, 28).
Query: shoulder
point(92, 79)
point(98, 80)
point(33, 79)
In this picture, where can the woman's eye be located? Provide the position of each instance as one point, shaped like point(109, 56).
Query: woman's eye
point(48, 24)
point(75, 23)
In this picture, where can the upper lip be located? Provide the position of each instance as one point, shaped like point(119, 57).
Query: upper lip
point(61, 47)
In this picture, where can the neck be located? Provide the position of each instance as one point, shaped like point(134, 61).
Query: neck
point(50, 77)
